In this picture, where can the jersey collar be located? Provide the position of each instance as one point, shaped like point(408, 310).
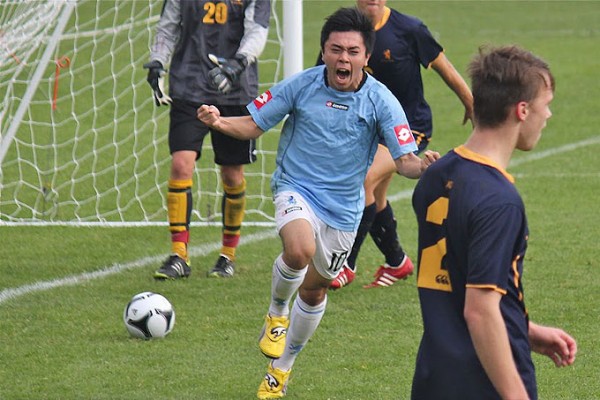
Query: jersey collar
point(384, 19)
point(478, 158)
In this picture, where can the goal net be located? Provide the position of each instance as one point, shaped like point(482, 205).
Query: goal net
point(81, 139)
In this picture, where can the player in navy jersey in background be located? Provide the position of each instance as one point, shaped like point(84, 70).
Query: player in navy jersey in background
point(336, 116)
point(473, 233)
point(403, 44)
point(212, 48)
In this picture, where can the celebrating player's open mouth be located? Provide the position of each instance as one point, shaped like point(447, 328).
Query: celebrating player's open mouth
point(342, 75)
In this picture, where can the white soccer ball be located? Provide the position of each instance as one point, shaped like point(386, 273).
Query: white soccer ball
point(149, 315)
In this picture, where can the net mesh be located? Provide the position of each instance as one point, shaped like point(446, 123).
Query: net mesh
point(82, 141)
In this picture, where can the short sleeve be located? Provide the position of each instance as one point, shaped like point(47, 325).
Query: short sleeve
point(428, 49)
point(495, 233)
point(393, 125)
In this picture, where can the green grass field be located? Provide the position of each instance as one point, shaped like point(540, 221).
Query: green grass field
point(63, 289)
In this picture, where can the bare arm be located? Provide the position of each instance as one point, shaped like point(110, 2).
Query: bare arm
point(243, 128)
point(454, 80)
point(554, 343)
point(488, 332)
point(411, 166)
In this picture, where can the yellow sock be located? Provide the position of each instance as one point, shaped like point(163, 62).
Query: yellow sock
point(179, 205)
point(233, 208)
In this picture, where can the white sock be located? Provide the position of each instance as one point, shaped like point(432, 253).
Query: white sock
point(284, 283)
point(304, 321)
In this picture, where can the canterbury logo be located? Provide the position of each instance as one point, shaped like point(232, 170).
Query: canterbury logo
point(442, 280)
point(271, 381)
point(278, 332)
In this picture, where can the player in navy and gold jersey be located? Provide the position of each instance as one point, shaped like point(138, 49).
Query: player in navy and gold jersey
point(403, 45)
point(477, 338)
point(212, 47)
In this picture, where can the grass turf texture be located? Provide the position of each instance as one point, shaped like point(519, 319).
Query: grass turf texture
point(69, 342)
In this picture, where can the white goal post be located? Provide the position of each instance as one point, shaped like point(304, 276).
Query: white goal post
point(81, 141)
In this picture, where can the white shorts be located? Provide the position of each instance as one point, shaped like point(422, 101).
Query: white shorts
point(332, 245)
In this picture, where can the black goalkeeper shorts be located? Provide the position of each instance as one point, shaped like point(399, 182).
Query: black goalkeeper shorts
point(186, 132)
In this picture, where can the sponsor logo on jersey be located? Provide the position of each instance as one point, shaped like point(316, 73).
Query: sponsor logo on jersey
point(262, 99)
point(337, 106)
point(387, 54)
point(403, 134)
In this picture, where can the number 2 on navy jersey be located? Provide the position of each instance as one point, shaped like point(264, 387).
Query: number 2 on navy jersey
point(432, 274)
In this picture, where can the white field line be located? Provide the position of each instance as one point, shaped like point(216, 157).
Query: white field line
point(538, 155)
point(11, 293)
point(528, 157)
point(559, 175)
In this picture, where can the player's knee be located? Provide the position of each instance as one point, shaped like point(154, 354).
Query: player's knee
point(370, 184)
point(313, 296)
point(182, 168)
point(297, 256)
point(232, 175)
point(377, 181)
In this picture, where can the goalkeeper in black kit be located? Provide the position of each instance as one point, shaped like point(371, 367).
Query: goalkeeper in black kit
point(209, 50)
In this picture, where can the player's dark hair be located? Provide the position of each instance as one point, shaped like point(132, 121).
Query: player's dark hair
point(502, 77)
point(349, 19)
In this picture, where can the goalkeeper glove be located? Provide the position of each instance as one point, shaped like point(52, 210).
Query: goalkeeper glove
point(227, 71)
point(156, 79)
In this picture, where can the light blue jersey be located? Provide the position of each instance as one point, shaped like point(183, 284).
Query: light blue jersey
point(329, 140)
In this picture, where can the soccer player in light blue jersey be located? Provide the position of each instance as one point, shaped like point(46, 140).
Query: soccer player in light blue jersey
point(336, 116)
